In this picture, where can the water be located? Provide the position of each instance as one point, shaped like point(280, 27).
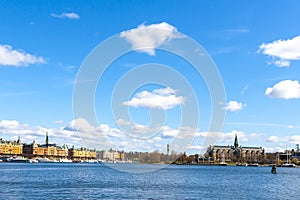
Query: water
point(97, 181)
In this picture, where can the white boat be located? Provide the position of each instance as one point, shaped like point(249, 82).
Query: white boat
point(253, 165)
point(64, 160)
point(17, 159)
point(288, 165)
point(46, 160)
point(93, 161)
point(287, 159)
point(33, 161)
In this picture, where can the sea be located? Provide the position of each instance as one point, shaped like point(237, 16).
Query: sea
point(145, 181)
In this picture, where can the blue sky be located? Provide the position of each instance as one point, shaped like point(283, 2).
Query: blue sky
point(255, 47)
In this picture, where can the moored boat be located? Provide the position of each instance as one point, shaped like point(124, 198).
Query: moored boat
point(253, 165)
point(288, 165)
point(17, 159)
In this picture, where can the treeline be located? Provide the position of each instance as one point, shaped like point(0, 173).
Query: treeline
point(157, 157)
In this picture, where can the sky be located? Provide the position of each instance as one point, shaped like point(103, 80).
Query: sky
point(138, 75)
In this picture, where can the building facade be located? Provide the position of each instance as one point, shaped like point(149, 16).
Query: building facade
point(235, 153)
point(9, 148)
point(52, 151)
point(81, 154)
point(111, 155)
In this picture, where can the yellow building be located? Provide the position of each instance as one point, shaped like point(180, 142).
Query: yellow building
point(81, 154)
point(11, 148)
point(46, 150)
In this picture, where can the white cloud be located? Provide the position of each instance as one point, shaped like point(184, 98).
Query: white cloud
point(282, 63)
point(12, 57)
point(272, 138)
point(11, 129)
point(294, 139)
point(234, 106)
point(282, 50)
point(147, 38)
point(9, 124)
point(197, 147)
point(123, 122)
point(286, 89)
point(70, 15)
point(274, 149)
point(164, 98)
point(229, 137)
point(59, 122)
point(169, 132)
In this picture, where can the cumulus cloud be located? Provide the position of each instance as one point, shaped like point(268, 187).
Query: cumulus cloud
point(11, 129)
point(234, 106)
point(147, 38)
point(17, 58)
point(272, 138)
point(123, 122)
point(9, 124)
point(286, 89)
point(293, 139)
point(70, 15)
point(282, 51)
point(164, 98)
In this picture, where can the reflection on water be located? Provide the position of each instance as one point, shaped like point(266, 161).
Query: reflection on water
point(97, 181)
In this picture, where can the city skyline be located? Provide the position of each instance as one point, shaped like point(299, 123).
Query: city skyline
point(256, 51)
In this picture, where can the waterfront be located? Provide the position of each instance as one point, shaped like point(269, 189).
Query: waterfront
point(97, 181)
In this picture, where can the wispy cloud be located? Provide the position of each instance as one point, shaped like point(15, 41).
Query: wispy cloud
point(282, 51)
point(228, 34)
point(234, 106)
point(17, 58)
point(286, 89)
point(147, 38)
point(70, 15)
point(164, 98)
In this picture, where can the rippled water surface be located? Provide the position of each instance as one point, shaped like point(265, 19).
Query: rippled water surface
point(97, 181)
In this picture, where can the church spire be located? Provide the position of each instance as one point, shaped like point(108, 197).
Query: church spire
point(19, 140)
point(47, 139)
point(236, 143)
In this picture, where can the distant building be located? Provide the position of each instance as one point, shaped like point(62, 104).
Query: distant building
point(111, 155)
point(53, 151)
point(81, 154)
point(9, 148)
point(235, 153)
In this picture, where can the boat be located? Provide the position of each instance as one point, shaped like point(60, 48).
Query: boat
point(33, 161)
point(93, 161)
point(253, 165)
point(46, 160)
point(64, 160)
point(242, 164)
point(288, 165)
point(17, 160)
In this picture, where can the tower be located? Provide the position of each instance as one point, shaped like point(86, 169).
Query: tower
point(168, 149)
point(236, 143)
point(19, 140)
point(47, 139)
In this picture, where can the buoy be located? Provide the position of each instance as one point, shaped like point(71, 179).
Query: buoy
point(273, 171)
